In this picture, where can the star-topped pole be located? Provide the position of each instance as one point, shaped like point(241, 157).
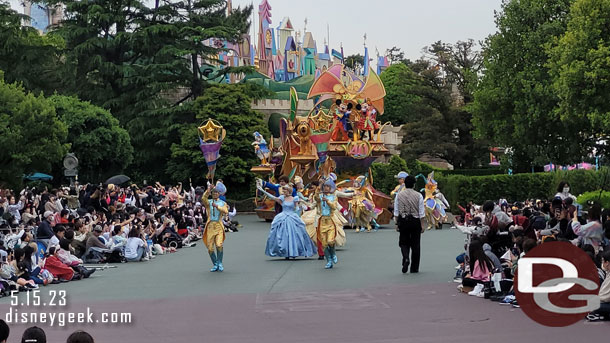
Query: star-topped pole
point(211, 135)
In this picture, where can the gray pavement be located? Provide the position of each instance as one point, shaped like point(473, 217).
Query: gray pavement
point(365, 298)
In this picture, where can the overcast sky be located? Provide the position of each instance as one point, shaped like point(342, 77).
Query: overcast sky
point(407, 24)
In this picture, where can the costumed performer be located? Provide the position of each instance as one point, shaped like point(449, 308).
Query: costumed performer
point(361, 206)
point(260, 148)
point(288, 237)
point(283, 181)
point(214, 233)
point(368, 119)
point(343, 128)
point(327, 229)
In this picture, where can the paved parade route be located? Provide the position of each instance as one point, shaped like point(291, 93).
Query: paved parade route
point(364, 298)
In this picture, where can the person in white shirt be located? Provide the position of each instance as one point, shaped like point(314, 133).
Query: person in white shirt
point(409, 215)
point(135, 247)
point(60, 231)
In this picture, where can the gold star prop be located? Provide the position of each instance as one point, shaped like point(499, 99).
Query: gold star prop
point(210, 131)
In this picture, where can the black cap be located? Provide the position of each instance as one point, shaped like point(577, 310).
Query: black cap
point(34, 335)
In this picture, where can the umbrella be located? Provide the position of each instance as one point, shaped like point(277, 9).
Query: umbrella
point(38, 177)
point(118, 180)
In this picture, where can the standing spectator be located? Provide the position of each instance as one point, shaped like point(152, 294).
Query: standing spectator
point(409, 216)
point(34, 335)
point(14, 208)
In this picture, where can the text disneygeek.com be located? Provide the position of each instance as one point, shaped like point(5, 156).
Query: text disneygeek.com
point(19, 313)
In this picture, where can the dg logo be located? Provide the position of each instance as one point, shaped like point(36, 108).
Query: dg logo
point(557, 284)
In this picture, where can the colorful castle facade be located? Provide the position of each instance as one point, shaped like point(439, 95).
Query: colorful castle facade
point(282, 53)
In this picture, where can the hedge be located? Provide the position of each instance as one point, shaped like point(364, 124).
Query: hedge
point(603, 197)
point(463, 189)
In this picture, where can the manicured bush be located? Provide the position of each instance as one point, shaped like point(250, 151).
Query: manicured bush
point(603, 197)
point(383, 174)
point(462, 189)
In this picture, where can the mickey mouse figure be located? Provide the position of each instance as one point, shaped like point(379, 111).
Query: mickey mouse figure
point(343, 129)
point(368, 119)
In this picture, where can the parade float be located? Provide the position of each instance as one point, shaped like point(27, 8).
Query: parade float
point(339, 136)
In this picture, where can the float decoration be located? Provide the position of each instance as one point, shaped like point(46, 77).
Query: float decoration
point(211, 135)
point(340, 135)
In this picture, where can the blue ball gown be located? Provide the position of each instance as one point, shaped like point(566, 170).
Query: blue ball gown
point(288, 236)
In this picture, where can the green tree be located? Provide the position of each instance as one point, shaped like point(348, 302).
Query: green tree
point(395, 55)
point(101, 145)
point(400, 83)
point(230, 106)
point(27, 56)
point(142, 63)
point(355, 62)
point(580, 64)
point(31, 135)
point(515, 101)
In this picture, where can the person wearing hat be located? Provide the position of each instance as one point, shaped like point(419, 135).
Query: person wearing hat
point(34, 335)
point(327, 229)
point(401, 183)
point(214, 232)
point(94, 239)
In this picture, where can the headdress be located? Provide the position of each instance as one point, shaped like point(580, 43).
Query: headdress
point(331, 184)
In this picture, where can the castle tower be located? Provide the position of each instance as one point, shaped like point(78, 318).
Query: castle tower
point(42, 16)
point(266, 40)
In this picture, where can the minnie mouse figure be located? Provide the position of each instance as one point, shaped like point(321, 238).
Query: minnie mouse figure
point(343, 128)
point(368, 119)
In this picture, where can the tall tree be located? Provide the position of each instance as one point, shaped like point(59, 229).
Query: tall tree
point(395, 55)
point(101, 145)
point(580, 64)
point(515, 101)
point(355, 62)
point(143, 62)
point(31, 135)
point(25, 55)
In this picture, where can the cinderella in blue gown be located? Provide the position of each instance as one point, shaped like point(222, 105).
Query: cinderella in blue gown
point(288, 236)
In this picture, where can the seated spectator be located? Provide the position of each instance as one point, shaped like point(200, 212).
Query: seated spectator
point(118, 240)
point(96, 250)
point(59, 231)
point(135, 247)
point(80, 337)
point(59, 270)
point(45, 232)
point(480, 269)
point(8, 273)
point(603, 313)
point(33, 265)
point(79, 242)
point(72, 261)
point(34, 335)
point(4, 331)
point(592, 232)
point(20, 266)
point(93, 241)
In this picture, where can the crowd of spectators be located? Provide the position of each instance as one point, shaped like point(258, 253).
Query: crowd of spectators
point(35, 334)
point(499, 233)
point(57, 235)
